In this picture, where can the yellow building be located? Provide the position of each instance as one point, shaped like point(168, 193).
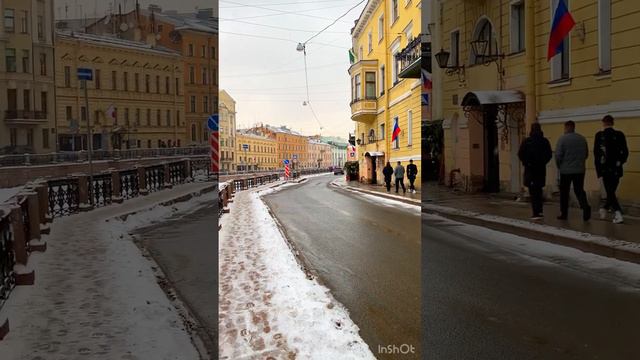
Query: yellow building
point(291, 145)
point(256, 152)
point(27, 88)
point(133, 99)
point(227, 113)
point(487, 109)
point(386, 85)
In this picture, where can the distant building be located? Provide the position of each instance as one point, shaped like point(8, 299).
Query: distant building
point(135, 99)
point(227, 113)
point(338, 150)
point(255, 152)
point(291, 144)
point(319, 154)
point(27, 108)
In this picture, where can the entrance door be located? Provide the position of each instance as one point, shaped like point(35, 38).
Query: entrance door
point(374, 175)
point(491, 150)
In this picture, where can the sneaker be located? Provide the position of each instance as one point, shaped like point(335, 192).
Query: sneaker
point(414, 191)
point(603, 213)
point(617, 218)
point(537, 217)
point(586, 213)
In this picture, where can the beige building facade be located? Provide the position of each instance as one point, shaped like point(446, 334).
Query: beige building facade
point(135, 99)
point(227, 109)
point(27, 104)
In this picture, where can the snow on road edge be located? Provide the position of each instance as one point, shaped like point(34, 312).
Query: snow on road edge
point(312, 323)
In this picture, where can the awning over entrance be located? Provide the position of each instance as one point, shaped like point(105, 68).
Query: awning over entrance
point(477, 98)
point(374, 153)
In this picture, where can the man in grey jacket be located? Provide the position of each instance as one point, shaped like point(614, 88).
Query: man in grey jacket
point(398, 173)
point(572, 151)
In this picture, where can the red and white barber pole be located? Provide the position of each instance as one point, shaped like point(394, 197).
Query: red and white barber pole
point(287, 172)
point(215, 145)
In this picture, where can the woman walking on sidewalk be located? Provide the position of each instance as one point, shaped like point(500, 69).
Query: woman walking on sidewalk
point(387, 171)
point(535, 153)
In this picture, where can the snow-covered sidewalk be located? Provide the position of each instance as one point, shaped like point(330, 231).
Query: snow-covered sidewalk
point(95, 295)
point(269, 308)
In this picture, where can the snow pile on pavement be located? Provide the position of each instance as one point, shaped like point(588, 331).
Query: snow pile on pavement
point(7, 193)
point(268, 306)
point(546, 229)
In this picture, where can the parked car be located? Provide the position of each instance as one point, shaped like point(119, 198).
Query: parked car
point(338, 171)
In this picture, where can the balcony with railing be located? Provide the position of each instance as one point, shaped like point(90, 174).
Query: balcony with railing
point(411, 57)
point(364, 106)
point(25, 117)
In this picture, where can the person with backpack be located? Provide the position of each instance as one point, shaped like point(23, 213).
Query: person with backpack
point(535, 153)
point(399, 174)
point(412, 172)
point(611, 152)
point(572, 152)
point(387, 171)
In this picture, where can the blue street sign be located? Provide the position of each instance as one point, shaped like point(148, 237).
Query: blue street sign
point(85, 74)
point(212, 122)
point(245, 146)
point(286, 161)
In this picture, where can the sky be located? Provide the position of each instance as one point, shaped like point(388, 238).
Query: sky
point(261, 69)
point(81, 8)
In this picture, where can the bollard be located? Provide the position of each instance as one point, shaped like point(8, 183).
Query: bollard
point(167, 176)
point(142, 180)
point(187, 170)
point(22, 275)
point(116, 187)
point(83, 193)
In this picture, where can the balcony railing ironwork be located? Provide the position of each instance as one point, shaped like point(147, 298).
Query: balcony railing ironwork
point(25, 114)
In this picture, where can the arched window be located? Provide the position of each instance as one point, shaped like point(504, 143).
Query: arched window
point(484, 31)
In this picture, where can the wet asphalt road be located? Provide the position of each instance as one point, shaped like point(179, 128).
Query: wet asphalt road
point(366, 253)
point(186, 250)
point(487, 299)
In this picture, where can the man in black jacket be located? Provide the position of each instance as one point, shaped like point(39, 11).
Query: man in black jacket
point(611, 153)
point(412, 172)
point(535, 153)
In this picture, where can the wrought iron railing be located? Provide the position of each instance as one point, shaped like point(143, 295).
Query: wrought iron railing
point(25, 114)
point(410, 54)
point(101, 191)
point(200, 168)
point(154, 178)
point(129, 184)
point(64, 196)
point(7, 258)
point(176, 172)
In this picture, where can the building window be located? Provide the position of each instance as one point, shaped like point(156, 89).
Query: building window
point(517, 27)
point(148, 117)
point(30, 138)
point(149, 144)
point(168, 118)
point(13, 136)
point(177, 117)
point(137, 117)
point(43, 64)
point(203, 51)
point(96, 79)
point(9, 20)
point(69, 113)
point(409, 127)
point(394, 11)
point(44, 100)
point(147, 83)
point(380, 27)
point(370, 40)
point(205, 104)
point(192, 74)
point(158, 84)
point(190, 49)
point(126, 117)
point(10, 58)
point(212, 52)
point(26, 95)
point(167, 85)
point(40, 27)
point(455, 48)
point(604, 35)
point(45, 138)
point(382, 79)
point(136, 82)
point(177, 86)
point(560, 62)
point(370, 85)
point(205, 77)
point(357, 88)
point(125, 80)
point(26, 68)
point(158, 115)
point(192, 104)
point(114, 80)
point(24, 22)
point(395, 69)
point(83, 113)
point(382, 133)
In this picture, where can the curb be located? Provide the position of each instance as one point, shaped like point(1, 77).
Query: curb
point(379, 194)
point(594, 244)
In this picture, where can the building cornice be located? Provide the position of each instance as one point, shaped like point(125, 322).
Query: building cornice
point(365, 17)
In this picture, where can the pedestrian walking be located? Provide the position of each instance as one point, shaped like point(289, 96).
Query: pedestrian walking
point(387, 171)
point(535, 153)
point(399, 174)
point(572, 152)
point(412, 172)
point(610, 152)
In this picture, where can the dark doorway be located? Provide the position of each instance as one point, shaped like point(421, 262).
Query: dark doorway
point(432, 151)
point(374, 175)
point(491, 150)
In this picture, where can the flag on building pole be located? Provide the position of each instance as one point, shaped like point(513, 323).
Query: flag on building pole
point(352, 57)
point(396, 130)
point(562, 24)
point(111, 113)
point(426, 80)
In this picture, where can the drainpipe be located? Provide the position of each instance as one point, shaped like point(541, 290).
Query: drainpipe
point(530, 52)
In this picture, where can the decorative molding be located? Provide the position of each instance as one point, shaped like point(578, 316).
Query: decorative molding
point(405, 158)
point(400, 98)
point(619, 109)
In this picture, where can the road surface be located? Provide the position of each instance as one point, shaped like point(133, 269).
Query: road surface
point(490, 295)
point(367, 253)
point(186, 249)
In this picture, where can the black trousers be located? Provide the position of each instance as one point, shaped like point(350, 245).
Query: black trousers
point(536, 199)
point(611, 183)
point(412, 179)
point(388, 183)
point(578, 188)
point(400, 181)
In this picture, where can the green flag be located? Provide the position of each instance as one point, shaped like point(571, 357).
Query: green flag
point(352, 56)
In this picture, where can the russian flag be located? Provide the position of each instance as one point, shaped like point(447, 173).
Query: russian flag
point(396, 130)
point(562, 24)
point(426, 80)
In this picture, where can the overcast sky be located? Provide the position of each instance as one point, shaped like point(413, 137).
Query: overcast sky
point(261, 69)
point(88, 8)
